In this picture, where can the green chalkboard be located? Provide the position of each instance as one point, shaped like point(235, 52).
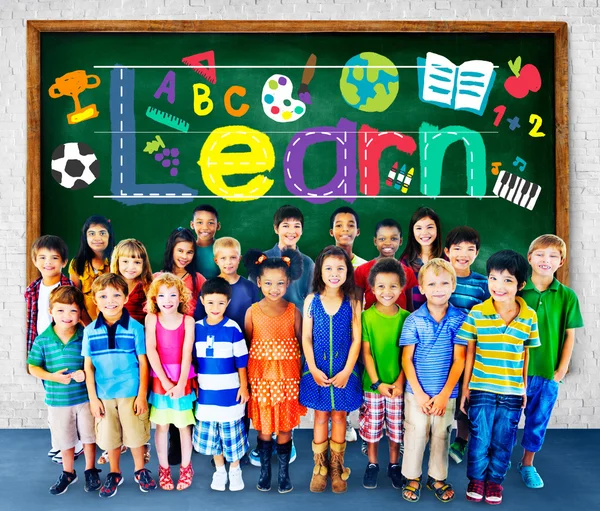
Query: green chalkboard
point(448, 120)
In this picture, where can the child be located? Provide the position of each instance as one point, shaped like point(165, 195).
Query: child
point(56, 359)
point(92, 260)
point(383, 379)
point(500, 332)
point(433, 360)
point(424, 243)
point(330, 384)
point(130, 260)
point(461, 249)
point(205, 223)
point(558, 314)
point(344, 228)
point(274, 327)
point(388, 238)
point(221, 357)
point(169, 343)
point(116, 371)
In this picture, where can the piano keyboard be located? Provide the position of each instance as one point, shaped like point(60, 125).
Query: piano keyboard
point(517, 190)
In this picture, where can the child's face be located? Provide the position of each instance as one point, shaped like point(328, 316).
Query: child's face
point(273, 283)
point(65, 315)
point(228, 260)
point(97, 238)
point(503, 286)
point(167, 299)
point(344, 229)
point(334, 272)
point(289, 232)
point(130, 267)
point(205, 224)
point(437, 288)
point(388, 241)
point(461, 255)
point(545, 261)
point(215, 305)
point(110, 302)
point(49, 263)
point(183, 253)
point(425, 231)
point(387, 288)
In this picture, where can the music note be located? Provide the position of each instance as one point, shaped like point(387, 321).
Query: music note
point(520, 161)
point(496, 167)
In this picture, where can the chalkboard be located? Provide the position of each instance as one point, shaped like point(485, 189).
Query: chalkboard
point(469, 118)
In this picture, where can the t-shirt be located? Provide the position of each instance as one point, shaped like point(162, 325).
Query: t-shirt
point(557, 310)
point(418, 298)
point(219, 351)
point(500, 348)
point(51, 354)
point(44, 319)
point(205, 262)
point(361, 279)
point(382, 333)
point(434, 350)
point(114, 352)
point(357, 261)
point(470, 291)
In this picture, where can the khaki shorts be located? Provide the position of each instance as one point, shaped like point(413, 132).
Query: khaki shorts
point(69, 424)
point(120, 425)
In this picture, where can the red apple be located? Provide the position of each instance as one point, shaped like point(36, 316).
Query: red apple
point(528, 80)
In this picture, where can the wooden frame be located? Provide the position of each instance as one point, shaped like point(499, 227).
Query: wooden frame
point(559, 29)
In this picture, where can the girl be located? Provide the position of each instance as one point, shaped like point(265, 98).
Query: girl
point(130, 260)
point(274, 327)
point(331, 340)
point(95, 249)
point(424, 243)
point(169, 343)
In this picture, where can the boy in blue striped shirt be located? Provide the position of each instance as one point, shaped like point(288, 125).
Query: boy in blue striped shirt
point(432, 360)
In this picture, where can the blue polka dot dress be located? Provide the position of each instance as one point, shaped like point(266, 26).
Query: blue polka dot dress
point(332, 338)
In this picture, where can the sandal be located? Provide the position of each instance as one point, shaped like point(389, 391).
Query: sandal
point(441, 491)
point(165, 480)
point(407, 487)
point(103, 459)
point(185, 477)
point(530, 477)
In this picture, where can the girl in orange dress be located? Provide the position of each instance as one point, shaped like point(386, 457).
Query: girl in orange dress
point(274, 327)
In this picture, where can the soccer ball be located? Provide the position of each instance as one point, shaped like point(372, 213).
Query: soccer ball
point(74, 165)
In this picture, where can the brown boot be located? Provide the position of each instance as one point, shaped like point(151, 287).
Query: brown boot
point(339, 474)
point(318, 482)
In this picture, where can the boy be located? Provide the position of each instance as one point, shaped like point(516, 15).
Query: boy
point(344, 228)
point(116, 370)
point(388, 239)
point(500, 332)
point(461, 249)
point(433, 359)
point(558, 314)
point(220, 359)
point(205, 222)
point(383, 379)
point(55, 358)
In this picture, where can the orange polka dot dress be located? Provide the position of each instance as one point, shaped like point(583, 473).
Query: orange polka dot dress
point(274, 372)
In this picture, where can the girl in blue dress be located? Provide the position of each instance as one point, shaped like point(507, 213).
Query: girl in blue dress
point(330, 383)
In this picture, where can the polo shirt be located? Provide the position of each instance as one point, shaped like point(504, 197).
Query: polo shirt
point(114, 351)
point(500, 348)
point(51, 354)
point(470, 291)
point(434, 350)
point(557, 310)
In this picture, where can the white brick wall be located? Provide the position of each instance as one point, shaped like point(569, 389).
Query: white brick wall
point(21, 397)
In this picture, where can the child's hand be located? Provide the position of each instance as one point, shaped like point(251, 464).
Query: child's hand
point(397, 391)
point(438, 405)
point(524, 404)
point(140, 405)
point(97, 408)
point(243, 395)
point(78, 376)
point(466, 394)
point(168, 385)
point(387, 390)
point(340, 380)
point(423, 400)
point(176, 391)
point(559, 375)
point(320, 378)
point(61, 376)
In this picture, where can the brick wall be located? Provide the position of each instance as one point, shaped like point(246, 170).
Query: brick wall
point(21, 397)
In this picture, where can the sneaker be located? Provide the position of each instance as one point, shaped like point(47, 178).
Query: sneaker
point(370, 477)
point(363, 448)
point(457, 450)
point(254, 458)
point(65, 480)
point(92, 480)
point(394, 472)
point(219, 480)
point(78, 449)
point(401, 449)
point(236, 483)
point(57, 458)
point(109, 488)
point(493, 493)
point(53, 452)
point(144, 478)
point(350, 433)
point(292, 453)
point(475, 490)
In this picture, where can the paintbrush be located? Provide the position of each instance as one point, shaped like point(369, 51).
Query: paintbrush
point(307, 76)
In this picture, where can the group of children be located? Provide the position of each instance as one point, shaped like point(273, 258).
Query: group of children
point(412, 343)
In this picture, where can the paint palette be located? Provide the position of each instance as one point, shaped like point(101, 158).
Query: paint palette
point(277, 100)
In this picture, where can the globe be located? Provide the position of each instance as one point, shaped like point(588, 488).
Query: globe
point(370, 89)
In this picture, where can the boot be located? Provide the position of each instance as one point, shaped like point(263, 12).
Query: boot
point(318, 482)
point(264, 453)
point(339, 474)
point(283, 454)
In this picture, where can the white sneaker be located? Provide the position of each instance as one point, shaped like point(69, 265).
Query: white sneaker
point(78, 449)
point(350, 433)
point(236, 483)
point(219, 480)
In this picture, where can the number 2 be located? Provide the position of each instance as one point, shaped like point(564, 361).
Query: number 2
point(536, 120)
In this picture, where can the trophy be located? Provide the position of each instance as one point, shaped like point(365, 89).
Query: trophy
point(72, 84)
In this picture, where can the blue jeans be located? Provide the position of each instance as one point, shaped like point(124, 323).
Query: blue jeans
point(493, 423)
point(541, 397)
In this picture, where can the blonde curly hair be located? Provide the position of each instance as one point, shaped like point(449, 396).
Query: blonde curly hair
point(168, 280)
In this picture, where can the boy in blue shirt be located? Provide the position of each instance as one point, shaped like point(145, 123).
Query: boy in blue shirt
point(116, 370)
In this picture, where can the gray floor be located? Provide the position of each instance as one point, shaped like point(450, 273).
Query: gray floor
point(569, 464)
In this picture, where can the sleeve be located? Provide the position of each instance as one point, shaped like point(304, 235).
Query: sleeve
point(468, 330)
point(240, 350)
point(36, 355)
point(365, 329)
point(140, 339)
point(359, 277)
point(411, 279)
point(456, 328)
point(533, 341)
point(85, 343)
point(409, 333)
point(574, 318)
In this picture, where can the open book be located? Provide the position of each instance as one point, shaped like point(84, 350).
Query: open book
point(464, 87)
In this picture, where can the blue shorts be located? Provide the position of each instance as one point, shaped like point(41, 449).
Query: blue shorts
point(541, 397)
point(226, 438)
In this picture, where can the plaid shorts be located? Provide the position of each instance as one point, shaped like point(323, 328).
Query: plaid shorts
point(377, 409)
point(227, 438)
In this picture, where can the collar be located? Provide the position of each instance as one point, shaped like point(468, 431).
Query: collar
point(123, 320)
point(530, 286)
point(488, 309)
point(51, 334)
point(423, 312)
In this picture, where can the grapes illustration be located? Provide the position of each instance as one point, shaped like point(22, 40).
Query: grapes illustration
point(169, 158)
